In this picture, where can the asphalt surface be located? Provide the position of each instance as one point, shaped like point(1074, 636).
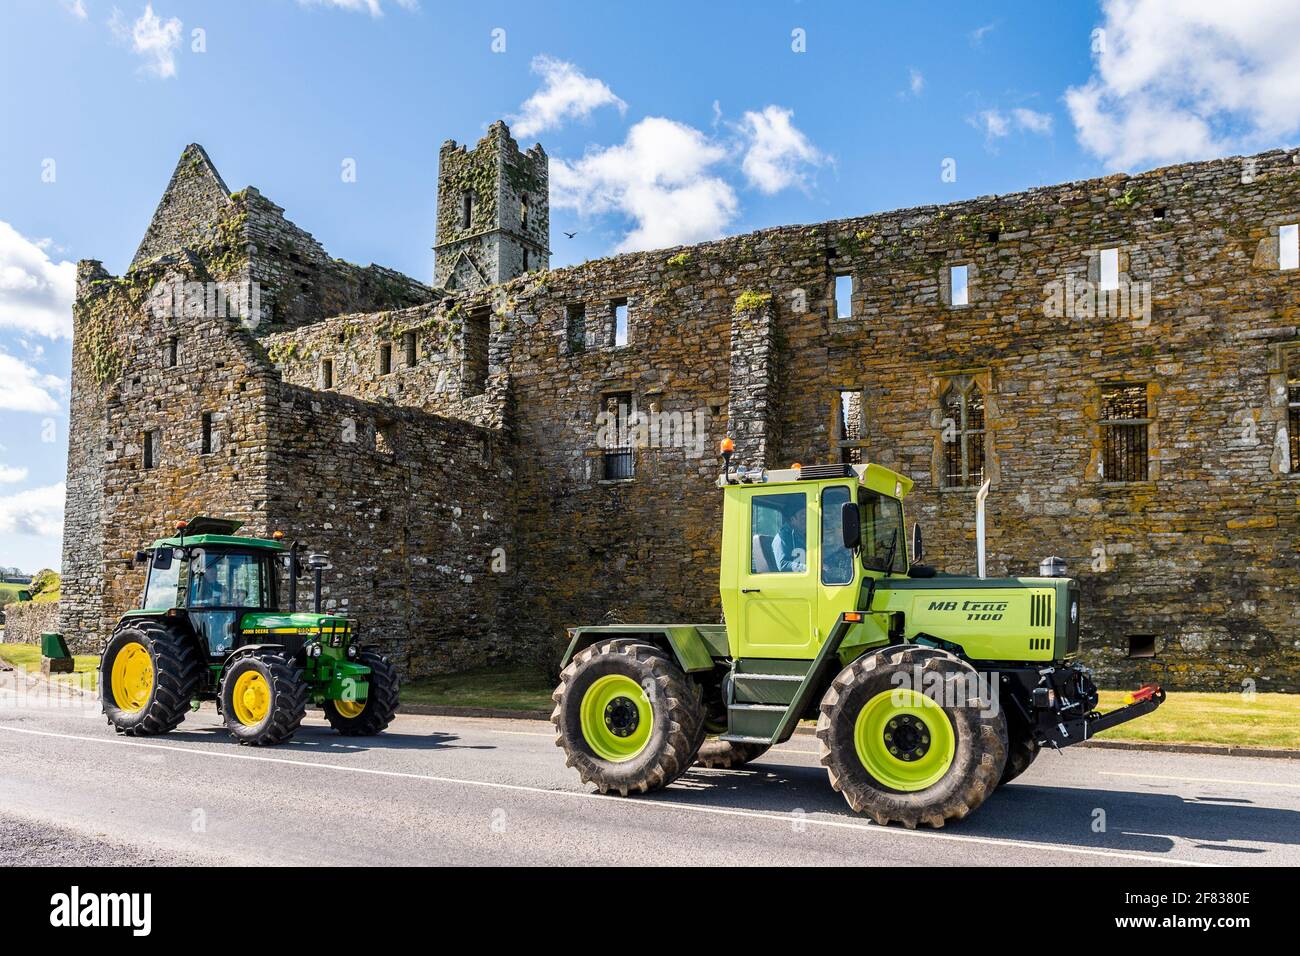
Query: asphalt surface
point(445, 790)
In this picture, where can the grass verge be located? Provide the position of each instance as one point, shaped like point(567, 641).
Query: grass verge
point(1188, 717)
point(508, 687)
point(28, 657)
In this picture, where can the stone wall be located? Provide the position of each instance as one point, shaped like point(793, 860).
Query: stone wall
point(415, 513)
point(507, 430)
point(26, 621)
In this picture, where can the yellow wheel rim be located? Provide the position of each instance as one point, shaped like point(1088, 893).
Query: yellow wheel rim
point(251, 698)
point(349, 708)
point(132, 677)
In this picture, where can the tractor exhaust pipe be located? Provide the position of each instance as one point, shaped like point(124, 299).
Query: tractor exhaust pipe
point(979, 527)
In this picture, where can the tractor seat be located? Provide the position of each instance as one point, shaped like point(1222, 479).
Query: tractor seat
point(762, 557)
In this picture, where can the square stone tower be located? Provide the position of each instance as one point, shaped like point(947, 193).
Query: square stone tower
point(493, 212)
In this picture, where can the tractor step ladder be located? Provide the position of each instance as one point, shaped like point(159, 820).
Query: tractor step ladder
point(760, 693)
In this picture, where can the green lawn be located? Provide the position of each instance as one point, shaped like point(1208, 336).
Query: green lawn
point(28, 657)
point(1270, 720)
point(9, 592)
point(508, 687)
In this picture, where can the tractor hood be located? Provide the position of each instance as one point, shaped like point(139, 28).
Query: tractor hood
point(268, 624)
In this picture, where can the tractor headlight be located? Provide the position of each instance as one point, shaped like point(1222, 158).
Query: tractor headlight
point(314, 650)
point(352, 651)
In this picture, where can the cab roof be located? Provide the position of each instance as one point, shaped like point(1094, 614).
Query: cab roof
point(876, 477)
point(205, 530)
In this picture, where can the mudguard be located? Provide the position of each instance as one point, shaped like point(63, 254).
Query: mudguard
point(693, 646)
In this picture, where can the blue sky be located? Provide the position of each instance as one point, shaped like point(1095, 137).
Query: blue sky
point(665, 123)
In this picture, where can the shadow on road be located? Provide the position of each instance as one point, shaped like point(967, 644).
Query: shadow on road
point(318, 740)
point(1133, 821)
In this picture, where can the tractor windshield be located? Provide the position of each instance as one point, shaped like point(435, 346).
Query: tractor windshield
point(228, 579)
point(163, 586)
point(882, 532)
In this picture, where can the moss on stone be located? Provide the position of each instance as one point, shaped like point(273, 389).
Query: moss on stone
point(750, 301)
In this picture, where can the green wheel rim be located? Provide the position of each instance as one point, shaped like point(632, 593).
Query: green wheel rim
point(904, 740)
point(616, 718)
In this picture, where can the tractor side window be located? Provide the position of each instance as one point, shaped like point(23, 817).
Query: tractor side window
point(160, 592)
point(226, 580)
point(882, 533)
point(778, 534)
point(837, 560)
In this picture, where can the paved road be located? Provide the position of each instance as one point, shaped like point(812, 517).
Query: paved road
point(440, 790)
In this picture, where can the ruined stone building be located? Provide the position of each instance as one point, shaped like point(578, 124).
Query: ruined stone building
point(514, 449)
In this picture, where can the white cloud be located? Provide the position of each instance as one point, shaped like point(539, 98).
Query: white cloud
point(915, 81)
point(36, 294)
point(1185, 79)
point(979, 33)
point(996, 124)
point(76, 8)
point(778, 154)
point(1032, 120)
point(373, 7)
point(565, 93)
point(9, 475)
point(37, 511)
point(25, 389)
point(150, 37)
point(661, 177)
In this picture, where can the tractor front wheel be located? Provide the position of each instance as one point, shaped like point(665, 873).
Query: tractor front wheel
point(906, 737)
point(263, 698)
point(147, 676)
point(1022, 748)
point(353, 718)
point(627, 717)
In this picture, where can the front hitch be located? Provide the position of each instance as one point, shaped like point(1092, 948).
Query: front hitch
point(1076, 730)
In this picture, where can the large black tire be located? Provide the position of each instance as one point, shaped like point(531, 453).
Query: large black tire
point(380, 704)
point(719, 754)
point(675, 715)
point(175, 671)
point(1022, 748)
point(977, 735)
point(286, 698)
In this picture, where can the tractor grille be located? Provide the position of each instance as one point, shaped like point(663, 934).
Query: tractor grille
point(1040, 610)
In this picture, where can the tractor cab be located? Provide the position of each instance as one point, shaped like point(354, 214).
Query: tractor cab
point(216, 578)
point(797, 546)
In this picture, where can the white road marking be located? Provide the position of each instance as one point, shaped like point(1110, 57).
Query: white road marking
point(1158, 776)
point(784, 819)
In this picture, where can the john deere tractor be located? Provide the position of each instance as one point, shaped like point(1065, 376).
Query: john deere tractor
point(208, 628)
point(929, 690)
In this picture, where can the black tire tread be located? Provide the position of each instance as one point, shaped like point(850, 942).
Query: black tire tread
point(679, 695)
point(176, 674)
point(289, 693)
point(883, 805)
point(381, 699)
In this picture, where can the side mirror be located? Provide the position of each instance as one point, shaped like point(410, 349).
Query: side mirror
point(850, 525)
point(918, 546)
point(141, 557)
point(162, 559)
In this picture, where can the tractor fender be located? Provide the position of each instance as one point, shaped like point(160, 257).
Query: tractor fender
point(684, 641)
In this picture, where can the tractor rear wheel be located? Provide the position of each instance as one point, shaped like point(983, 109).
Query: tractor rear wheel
point(1021, 751)
point(147, 675)
point(370, 716)
point(627, 717)
point(905, 753)
point(719, 754)
point(263, 698)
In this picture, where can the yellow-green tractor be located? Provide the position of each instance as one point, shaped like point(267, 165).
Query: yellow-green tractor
point(209, 628)
point(929, 690)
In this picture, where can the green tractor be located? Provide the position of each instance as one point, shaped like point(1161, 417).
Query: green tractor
point(208, 628)
point(929, 690)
